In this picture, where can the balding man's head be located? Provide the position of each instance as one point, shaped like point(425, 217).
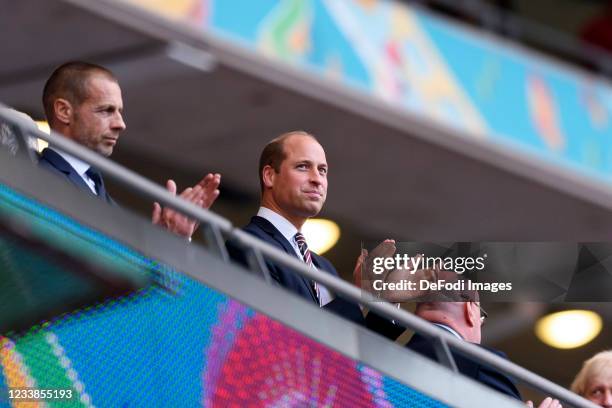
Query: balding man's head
point(69, 81)
point(464, 317)
point(274, 152)
point(83, 102)
point(293, 176)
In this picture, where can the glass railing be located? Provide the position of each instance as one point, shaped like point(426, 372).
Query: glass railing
point(192, 315)
point(167, 340)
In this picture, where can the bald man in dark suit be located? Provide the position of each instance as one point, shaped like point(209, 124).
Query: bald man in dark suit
point(83, 103)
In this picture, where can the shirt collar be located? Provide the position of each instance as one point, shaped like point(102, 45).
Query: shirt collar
point(77, 164)
point(282, 224)
point(449, 329)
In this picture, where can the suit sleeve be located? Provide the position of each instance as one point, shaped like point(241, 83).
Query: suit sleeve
point(239, 256)
point(383, 326)
point(352, 311)
point(497, 380)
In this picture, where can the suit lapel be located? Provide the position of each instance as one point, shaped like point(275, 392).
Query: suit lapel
point(278, 237)
point(274, 233)
point(63, 166)
point(60, 164)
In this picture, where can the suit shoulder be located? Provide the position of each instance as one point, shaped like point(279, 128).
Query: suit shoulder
point(419, 343)
point(325, 264)
point(254, 229)
point(237, 252)
point(44, 163)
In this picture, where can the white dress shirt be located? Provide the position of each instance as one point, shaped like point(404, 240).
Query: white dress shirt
point(448, 329)
point(80, 167)
point(288, 230)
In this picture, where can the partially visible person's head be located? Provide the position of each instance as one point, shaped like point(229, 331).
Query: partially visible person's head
point(594, 381)
point(463, 317)
point(83, 102)
point(458, 309)
point(8, 134)
point(293, 176)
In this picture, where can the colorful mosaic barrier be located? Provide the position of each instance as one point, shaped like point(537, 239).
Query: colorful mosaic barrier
point(189, 346)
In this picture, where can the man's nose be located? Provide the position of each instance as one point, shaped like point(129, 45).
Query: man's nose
point(118, 122)
point(316, 177)
point(608, 398)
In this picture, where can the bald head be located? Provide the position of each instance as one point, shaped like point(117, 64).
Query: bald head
point(463, 317)
point(293, 177)
point(83, 103)
point(274, 152)
point(70, 81)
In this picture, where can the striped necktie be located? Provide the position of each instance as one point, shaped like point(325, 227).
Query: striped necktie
point(307, 257)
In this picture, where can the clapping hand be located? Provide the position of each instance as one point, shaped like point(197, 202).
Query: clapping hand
point(202, 194)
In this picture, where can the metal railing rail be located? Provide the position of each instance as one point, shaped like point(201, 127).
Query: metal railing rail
point(217, 226)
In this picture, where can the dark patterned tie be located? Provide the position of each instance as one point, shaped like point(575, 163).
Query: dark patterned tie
point(303, 246)
point(96, 177)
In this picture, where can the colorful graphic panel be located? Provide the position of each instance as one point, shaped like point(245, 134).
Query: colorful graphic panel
point(485, 87)
point(179, 343)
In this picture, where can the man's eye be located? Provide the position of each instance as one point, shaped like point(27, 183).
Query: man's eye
point(301, 166)
point(323, 170)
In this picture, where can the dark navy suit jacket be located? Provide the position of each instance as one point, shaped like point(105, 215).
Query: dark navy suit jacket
point(264, 230)
point(52, 161)
point(470, 368)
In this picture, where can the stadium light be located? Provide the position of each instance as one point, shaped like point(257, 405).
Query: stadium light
point(568, 329)
point(321, 234)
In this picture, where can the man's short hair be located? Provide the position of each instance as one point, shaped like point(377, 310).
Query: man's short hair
point(69, 81)
point(274, 153)
point(597, 365)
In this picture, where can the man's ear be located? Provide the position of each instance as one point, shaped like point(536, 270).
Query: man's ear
point(267, 174)
point(63, 111)
point(471, 316)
